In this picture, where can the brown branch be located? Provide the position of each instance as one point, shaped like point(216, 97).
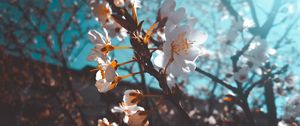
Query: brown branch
point(215, 79)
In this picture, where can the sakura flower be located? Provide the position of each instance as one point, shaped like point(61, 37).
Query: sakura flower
point(101, 43)
point(105, 122)
point(119, 3)
point(138, 119)
point(132, 97)
point(292, 109)
point(136, 3)
point(282, 123)
point(248, 23)
point(174, 17)
point(115, 30)
point(258, 53)
point(233, 32)
point(291, 79)
point(128, 110)
point(171, 81)
point(102, 11)
point(167, 7)
point(210, 120)
point(179, 52)
point(242, 75)
point(107, 77)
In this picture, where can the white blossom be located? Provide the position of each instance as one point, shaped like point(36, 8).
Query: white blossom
point(132, 97)
point(122, 3)
point(291, 79)
point(180, 51)
point(292, 108)
point(211, 120)
point(119, 3)
point(115, 30)
point(138, 119)
point(105, 122)
point(282, 123)
point(100, 42)
point(128, 110)
point(107, 77)
point(171, 81)
point(167, 7)
point(136, 3)
point(241, 75)
point(258, 52)
point(102, 11)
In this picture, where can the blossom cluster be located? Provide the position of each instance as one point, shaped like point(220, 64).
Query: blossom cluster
point(176, 56)
point(181, 45)
point(134, 115)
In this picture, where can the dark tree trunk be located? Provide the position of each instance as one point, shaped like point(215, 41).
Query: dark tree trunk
point(270, 101)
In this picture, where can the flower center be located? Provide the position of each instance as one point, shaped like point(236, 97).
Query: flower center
point(180, 45)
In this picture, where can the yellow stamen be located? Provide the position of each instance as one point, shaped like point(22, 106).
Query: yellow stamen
point(149, 33)
point(132, 74)
point(96, 69)
point(107, 48)
point(122, 47)
point(114, 64)
point(115, 82)
point(181, 44)
point(121, 64)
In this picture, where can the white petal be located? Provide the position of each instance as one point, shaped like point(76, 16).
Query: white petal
point(119, 3)
point(160, 60)
point(189, 66)
point(102, 86)
point(198, 37)
point(106, 36)
point(96, 37)
point(167, 7)
point(116, 109)
point(192, 54)
point(126, 119)
point(92, 57)
point(176, 67)
point(98, 75)
point(272, 51)
point(177, 16)
point(171, 81)
point(110, 74)
point(135, 108)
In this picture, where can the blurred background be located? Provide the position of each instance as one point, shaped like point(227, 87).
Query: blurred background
point(45, 78)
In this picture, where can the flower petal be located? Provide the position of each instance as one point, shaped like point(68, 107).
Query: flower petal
point(96, 37)
point(102, 86)
point(160, 60)
point(98, 75)
point(110, 74)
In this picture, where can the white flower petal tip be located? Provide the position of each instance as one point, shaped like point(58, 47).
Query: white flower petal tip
point(132, 97)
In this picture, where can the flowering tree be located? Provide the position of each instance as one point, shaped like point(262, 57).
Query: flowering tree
point(234, 55)
point(170, 48)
